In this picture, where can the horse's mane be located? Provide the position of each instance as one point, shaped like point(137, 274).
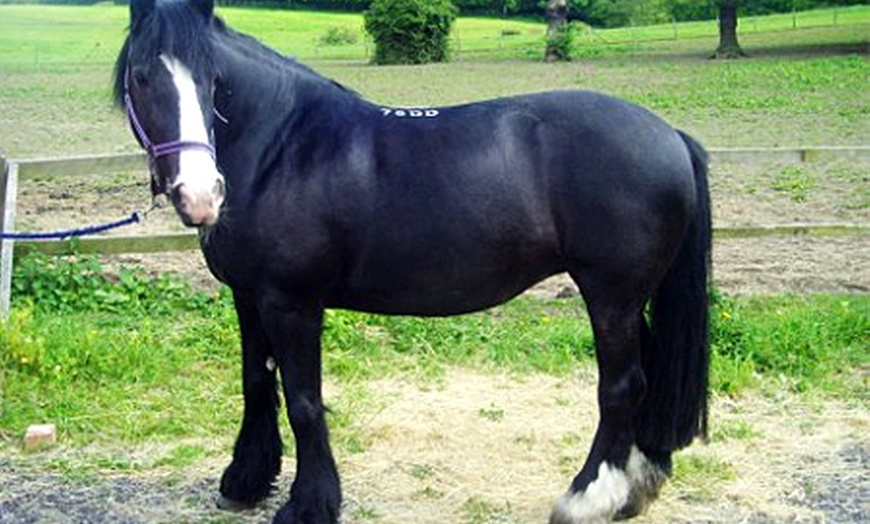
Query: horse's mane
point(178, 29)
point(260, 52)
point(173, 28)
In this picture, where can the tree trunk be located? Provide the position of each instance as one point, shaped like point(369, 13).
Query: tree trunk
point(557, 29)
point(728, 46)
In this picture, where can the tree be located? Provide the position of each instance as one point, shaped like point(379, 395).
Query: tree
point(558, 31)
point(728, 45)
point(621, 13)
point(686, 10)
point(728, 16)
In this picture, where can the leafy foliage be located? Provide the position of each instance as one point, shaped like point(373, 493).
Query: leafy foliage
point(410, 31)
point(78, 284)
point(622, 13)
point(560, 42)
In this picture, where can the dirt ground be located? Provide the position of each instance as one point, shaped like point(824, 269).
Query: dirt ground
point(483, 448)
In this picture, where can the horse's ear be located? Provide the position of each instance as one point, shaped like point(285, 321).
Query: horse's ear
point(139, 9)
point(206, 7)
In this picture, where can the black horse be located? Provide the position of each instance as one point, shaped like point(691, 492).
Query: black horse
point(331, 201)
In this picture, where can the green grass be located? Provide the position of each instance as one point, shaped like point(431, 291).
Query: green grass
point(153, 373)
point(53, 36)
point(810, 343)
point(734, 430)
point(522, 336)
point(698, 478)
point(794, 181)
point(478, 511)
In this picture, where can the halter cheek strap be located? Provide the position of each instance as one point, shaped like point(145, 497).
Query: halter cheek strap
point(156, 151)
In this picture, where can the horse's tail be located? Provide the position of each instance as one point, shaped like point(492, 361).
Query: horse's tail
point(676, 349)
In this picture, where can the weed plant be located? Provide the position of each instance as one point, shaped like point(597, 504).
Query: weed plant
point(338, 36)
point(82, 284)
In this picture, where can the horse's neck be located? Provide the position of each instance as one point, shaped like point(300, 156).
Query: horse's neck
point(262, 85)
point(262, 96)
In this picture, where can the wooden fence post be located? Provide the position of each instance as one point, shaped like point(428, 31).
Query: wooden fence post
point(8, 195)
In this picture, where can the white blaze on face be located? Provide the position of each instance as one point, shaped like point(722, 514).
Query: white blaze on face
point(199, 184)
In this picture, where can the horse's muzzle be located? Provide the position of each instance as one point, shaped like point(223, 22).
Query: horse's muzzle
point(198, 206)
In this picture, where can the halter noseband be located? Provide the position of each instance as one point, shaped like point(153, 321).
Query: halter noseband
point(156, 151)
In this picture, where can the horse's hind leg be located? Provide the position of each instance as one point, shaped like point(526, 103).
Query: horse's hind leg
point(618, 479)
point(257, 455)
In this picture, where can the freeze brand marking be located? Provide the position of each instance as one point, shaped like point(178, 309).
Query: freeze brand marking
point(409, 113)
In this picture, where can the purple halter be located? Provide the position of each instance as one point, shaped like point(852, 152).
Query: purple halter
point(155, 151)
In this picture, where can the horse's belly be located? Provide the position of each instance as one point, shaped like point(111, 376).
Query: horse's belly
point(440, 293)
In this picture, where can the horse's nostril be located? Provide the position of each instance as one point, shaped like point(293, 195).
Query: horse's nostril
point(175, 196)
point(220, 188)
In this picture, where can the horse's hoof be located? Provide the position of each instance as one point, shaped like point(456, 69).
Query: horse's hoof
point(616, 494)
point(233, 505)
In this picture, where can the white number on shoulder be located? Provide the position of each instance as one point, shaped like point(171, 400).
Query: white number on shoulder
point(409, 113)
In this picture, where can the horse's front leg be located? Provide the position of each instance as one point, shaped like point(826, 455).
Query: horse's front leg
point(618, 480)
point(294, 330)
point(257, 455)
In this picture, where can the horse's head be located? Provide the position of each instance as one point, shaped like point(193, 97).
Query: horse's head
point(164, 79)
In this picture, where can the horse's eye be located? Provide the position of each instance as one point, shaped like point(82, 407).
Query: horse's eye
point(140, 77)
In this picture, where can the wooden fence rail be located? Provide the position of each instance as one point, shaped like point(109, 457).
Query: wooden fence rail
point(114, 163)
point(13, 171)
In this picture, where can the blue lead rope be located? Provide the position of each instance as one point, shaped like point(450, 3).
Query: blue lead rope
point(136, 217)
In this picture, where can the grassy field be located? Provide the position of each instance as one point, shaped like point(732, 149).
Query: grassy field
point(803, 86)
point(54, 35)
point(747, 27)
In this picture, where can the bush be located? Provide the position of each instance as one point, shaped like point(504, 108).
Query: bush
point(410, 31)
point(338, 36)
point(560, 42)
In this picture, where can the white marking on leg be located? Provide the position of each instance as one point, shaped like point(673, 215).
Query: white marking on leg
point(611, 491)
point(598, 503)
point(197, 172)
